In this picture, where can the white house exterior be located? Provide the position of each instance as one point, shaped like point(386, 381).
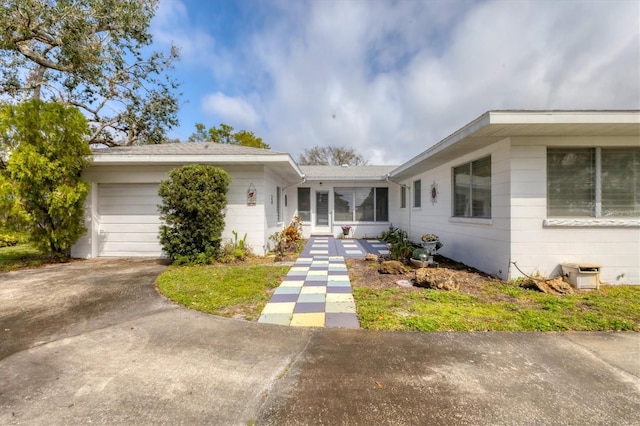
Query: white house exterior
point(122, 209)
point(524, 206)
point(538, 188)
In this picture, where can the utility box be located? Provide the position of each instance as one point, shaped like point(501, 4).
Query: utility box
point(583, 276)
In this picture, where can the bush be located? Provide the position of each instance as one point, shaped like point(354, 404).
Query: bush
point(401, 246)
point(8, 239)
point(41, 191)
point(288, 240)
point(192, 211)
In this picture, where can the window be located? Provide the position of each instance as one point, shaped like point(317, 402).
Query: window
point(472, 189)
point(361, 204)
point(417, 193)
point(593, 182)
point(403, 197)
point(304, 204)
point(278, 202)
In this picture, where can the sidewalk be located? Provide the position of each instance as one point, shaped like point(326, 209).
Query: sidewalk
point(317, 292)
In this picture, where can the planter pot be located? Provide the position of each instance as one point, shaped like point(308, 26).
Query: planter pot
point(430, 246)
point(417, 263)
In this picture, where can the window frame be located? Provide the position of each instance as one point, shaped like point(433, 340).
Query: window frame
point(598, 187)
point(278, 204)
point(308, 189)
point(403, 197)
point(353, 208)
point(417, 193)
point(472, 201)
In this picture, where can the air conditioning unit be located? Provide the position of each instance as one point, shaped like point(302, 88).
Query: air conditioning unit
point(583, 276)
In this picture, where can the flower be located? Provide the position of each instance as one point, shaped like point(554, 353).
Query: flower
point(346, 228)
point(430, 237)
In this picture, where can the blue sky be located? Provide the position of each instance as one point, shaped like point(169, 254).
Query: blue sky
point(391, 78)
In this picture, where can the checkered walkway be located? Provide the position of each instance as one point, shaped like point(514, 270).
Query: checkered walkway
point(317, 292)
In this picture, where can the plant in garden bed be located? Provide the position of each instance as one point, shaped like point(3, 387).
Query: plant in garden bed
point(289, 240)
point(401, 246)
point(192, 212)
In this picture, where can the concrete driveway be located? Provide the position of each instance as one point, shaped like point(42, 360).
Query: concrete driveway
point(93, 342)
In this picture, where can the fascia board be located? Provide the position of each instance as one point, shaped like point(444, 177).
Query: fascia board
point(468, 130)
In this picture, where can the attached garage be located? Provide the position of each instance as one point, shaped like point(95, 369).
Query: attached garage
point(129, 222)
point(122, 209)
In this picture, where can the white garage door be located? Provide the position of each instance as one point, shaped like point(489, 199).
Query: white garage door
point(129, 221)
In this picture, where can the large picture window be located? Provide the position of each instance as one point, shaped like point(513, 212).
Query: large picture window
point(304, 204)
point(361, 204)
point(472, 189)
point(593, 182)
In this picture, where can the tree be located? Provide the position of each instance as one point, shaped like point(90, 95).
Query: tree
point(225, 134)
point(41, 191)
point(331, 156)
point(90, 54)
point(192, 212)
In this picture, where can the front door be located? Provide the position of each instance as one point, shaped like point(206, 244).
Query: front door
point(323, 215)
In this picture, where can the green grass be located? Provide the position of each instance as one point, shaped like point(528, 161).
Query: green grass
point(229, 291)
point(23, 255)
point(499, 307)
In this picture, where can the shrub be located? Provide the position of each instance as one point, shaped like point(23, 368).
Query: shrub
point(401, 245)
point(41, 191)
point(288, 239)
point(192, 212)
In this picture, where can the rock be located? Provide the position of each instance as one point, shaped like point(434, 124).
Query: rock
point(549, 286)
point(392, 267)
point(404, 283)
point(371, 257)
point(437, 279)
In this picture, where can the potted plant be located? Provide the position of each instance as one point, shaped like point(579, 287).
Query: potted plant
point(423, 257)
point(346, 229)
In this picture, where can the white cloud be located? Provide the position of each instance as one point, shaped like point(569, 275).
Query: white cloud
point(236, 111)
point(391, 79)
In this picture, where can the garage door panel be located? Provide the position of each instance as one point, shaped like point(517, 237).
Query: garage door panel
point(129, 222)
point(139, 219)
point(128, 189)
point(137, 249)
point(129, 228)
point(138, 237)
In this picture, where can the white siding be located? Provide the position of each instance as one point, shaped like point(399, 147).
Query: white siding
point(483, 244)
point(123, 216)
point(539, 249)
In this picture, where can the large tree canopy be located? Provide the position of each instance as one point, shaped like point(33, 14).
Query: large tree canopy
point(331, 156)
point(225, 134)
point(91, 54)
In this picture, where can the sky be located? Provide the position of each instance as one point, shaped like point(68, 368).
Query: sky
point(388, 78)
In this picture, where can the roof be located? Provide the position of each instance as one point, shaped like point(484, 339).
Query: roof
point(198, 153)
point(346, 172)
point(494, 126)
point(186, 148)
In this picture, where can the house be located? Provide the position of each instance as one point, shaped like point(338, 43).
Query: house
point(122, 209)
point(534, 188)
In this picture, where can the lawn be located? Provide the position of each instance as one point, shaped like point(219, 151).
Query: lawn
point(498, 307)
point(22, 255)
point(228, 291)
